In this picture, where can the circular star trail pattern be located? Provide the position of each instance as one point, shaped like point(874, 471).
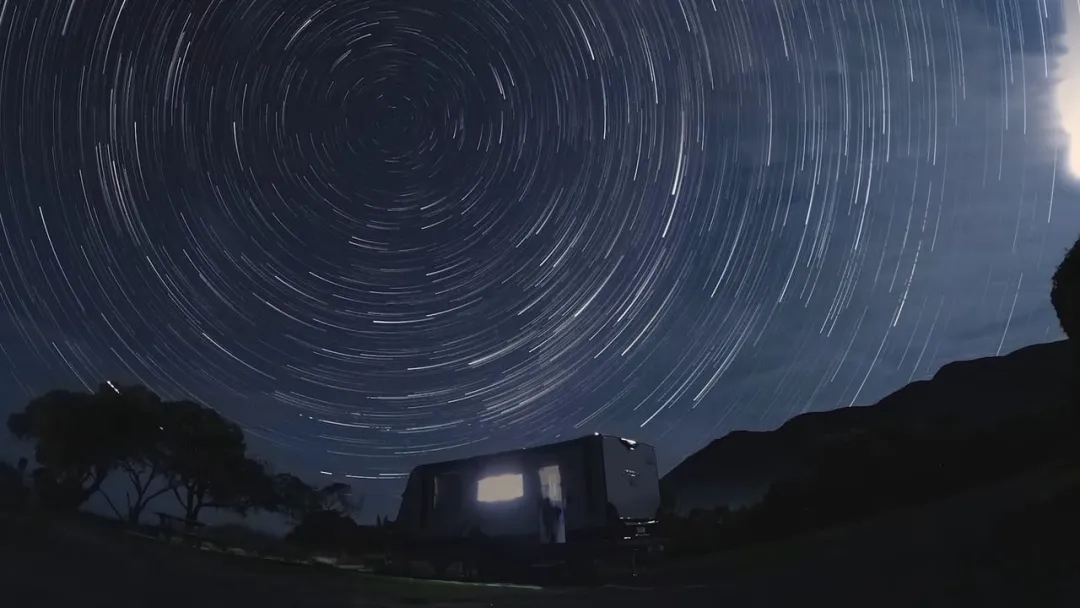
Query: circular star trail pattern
point(382, 232)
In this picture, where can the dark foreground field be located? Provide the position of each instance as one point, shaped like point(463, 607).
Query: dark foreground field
point(929, 556)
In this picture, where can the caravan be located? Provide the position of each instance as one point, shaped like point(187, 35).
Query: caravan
point(579, 496)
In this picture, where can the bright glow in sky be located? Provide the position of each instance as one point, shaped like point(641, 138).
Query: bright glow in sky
point(1068, 92)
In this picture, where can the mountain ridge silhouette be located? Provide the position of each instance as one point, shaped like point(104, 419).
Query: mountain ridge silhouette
point(963, 396)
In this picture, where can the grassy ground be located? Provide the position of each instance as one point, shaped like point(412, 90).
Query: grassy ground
point(952, 537)
point(935, 555)
point(37, 553)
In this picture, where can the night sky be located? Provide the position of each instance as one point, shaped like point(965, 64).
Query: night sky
point(378, 233)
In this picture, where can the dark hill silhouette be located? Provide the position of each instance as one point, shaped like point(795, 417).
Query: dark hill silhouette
point(963, 397)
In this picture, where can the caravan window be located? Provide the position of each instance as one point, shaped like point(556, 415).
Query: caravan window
point(500, 488)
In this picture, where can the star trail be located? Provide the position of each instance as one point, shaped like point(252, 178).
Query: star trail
point(383, 232)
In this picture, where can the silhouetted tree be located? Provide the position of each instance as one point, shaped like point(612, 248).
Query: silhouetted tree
point(327, 530)
point(297, 499)
point(206, 461)
point(253, 488)
point(78, 443)
point(339, 497)
point(83, 437)
point(161, 446)
point(140, 419)
point(1065, 294)
point(321, 517)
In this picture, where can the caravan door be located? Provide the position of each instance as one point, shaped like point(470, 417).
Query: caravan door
point(552, 506)
point(633, 483)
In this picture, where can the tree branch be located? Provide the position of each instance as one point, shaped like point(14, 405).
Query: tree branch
point(176, 493)
point(98, 478)
point(91, 476)
point(158, 493)
point(133, 475)
point(111, 505)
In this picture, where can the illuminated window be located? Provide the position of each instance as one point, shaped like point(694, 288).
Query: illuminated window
point(500, 488)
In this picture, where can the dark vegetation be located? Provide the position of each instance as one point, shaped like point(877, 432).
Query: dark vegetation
point(855, 475)
point(872, 471)
point(158, 450)
point(962, 399)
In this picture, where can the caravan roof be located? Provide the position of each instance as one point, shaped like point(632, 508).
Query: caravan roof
point(535, 448)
